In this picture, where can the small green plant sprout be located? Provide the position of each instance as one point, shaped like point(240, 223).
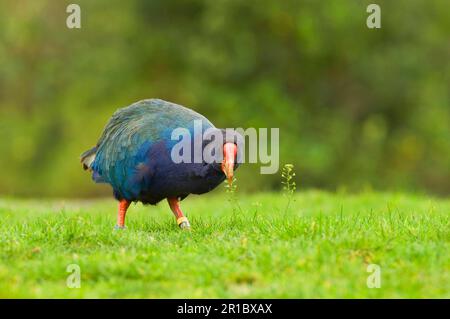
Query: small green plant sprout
point(231, 189)
point(289, 186)
point(256, 205)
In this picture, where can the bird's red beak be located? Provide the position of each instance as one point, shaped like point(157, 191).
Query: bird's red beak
point(229, 155)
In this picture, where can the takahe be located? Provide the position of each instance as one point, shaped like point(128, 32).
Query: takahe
point(133, 155)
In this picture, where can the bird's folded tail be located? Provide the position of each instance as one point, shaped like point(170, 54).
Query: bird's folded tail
point(88, 157)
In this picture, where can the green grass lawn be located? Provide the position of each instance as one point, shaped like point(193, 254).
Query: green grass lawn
point(319, 248)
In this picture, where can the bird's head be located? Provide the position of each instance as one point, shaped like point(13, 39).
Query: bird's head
point(229, 160)
point(226, 151)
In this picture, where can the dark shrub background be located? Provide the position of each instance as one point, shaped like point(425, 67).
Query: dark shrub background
point(356, 107)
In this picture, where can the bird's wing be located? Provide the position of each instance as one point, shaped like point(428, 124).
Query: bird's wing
point(122, 150)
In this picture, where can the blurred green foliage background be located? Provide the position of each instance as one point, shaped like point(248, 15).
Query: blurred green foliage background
point(356, 107)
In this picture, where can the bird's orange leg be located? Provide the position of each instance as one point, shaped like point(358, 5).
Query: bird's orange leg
point(123, 206)
point(182, 221)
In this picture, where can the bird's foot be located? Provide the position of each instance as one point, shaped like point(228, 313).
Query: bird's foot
point(185, 226)
point(183, 223)
point(117, 227)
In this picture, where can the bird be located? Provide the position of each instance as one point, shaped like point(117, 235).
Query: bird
point(134, 156)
